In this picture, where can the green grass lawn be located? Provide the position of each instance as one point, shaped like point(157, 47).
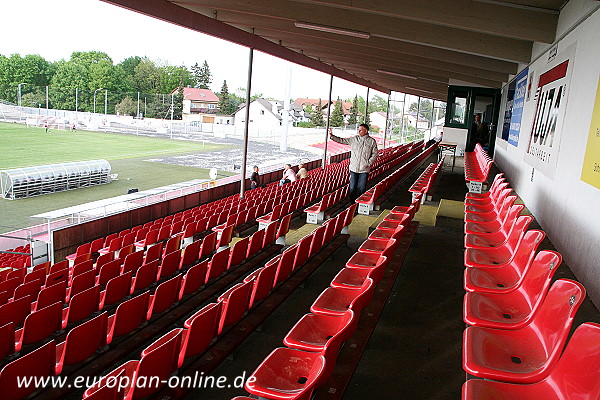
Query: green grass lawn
point(21, 146)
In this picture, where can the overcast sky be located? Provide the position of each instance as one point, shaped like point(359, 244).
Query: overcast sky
point(56, 28)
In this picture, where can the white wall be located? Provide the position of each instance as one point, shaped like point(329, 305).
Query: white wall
point(567, 208)
point(259, 117)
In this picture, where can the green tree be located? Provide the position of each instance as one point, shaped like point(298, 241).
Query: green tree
point(425, 108)
point(173, 77)
point(353, 119)
point(337, 116)
point(178, 104)
point(226, 106)
point(378, 103)
point(317, 115)
point(202, 75)
point(33, 70)
point(70, 79)
point(147, 77)
point(127, 106)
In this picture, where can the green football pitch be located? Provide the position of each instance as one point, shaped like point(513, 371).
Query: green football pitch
point(22, 146)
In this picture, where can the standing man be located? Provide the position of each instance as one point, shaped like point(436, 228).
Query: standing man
point(363, 154)
point(255, 178)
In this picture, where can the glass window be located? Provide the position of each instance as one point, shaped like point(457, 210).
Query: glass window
point(458, 110)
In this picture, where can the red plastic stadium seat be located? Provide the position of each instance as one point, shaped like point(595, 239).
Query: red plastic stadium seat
point(166, 294)
point(82, 342)
point(51, 294)
point(322, 333)
point(201, 329)
point(129, 315)
point(39, 325)
point(503, 219)
point(194, 278)
point(482, 241)
point(256, 242)
point(286, 374)
point(575, 376)
point(235, 303)
point(335, 301)
point(502, 256)
point(509, 311)
point(116, 290)
point(218, 264)
point(503, 280)
point(208, 244)
point(15, 311)
point(354, 278)
point(263, 280)
point(170, 264)
point(7, 339)
point(190, 254)
point(286, 264)
point(158, 361)
point(238, 252)
point(82, 305)
point(525, 355)
point(38, 363)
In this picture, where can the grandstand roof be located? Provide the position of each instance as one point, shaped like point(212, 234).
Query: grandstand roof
point(408, 46)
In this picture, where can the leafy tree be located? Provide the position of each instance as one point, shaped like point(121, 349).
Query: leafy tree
point(378, 103)
point(147, 77)
point(31, 69)
point(35, 98)
point(425, 109)
point(227, 104)
point(68, 79)
point(317, 115)
point(242, 92)
point(337, 116)
point(129, 64)
point(174, 77)
point(127, 106)
point(178, 104)
point(353, 119)
point(202, 75)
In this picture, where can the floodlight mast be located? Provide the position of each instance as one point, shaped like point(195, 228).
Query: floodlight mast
point(96, 91)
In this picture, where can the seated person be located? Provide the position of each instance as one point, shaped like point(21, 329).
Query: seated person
point(302, 172)
point(288, 175)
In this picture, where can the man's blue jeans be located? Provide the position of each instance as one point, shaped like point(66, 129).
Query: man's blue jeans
point(358, 184)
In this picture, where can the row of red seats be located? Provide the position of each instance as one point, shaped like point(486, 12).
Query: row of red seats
point(167, 354)
point(88, 287)
point(519, 320)
point(477, 168)
point(216, 213)
point(12, 261)
point(367, 200)
point(293, 372)
point(386, 159)
point(426, 181)
point(84, 339)
point(85, 272)
point(105, 272)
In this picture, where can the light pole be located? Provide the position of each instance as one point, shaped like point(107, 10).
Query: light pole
point(96, 91)
point(19, 92)
point(105, 102)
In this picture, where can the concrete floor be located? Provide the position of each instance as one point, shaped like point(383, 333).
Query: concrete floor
point(415, 350)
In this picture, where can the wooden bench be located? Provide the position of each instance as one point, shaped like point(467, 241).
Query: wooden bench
point(477, 168)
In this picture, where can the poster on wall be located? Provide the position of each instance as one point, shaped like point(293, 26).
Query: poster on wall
point(550, 105)
point(510, 96)
point(517, 108)
point(590, 173)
